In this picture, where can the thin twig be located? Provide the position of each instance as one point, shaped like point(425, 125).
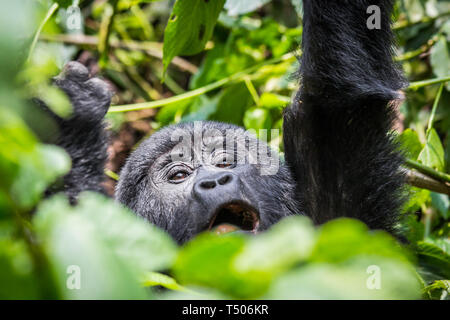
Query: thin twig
point(239, 76)
point(105, 31)
point(406, 23)
point(419, 180)
point(433, 110)
point(415, 53)
point(50, 12)
point(112, 174)
point(441, 176)
point(419, 84)
point(153, 49)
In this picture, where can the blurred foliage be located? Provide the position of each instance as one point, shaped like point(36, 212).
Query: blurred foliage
point(236, 68)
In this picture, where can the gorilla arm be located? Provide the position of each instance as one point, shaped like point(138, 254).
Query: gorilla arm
point(83, 134)
point(336, 132)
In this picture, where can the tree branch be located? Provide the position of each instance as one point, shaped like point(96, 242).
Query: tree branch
point(406, 23)
point(419, 180)
point(440, 176)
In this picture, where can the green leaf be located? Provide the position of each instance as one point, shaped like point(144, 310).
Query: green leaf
point(141, 244)
point(202, 108)
point(207, 261)
point(63, 3)
point(14, 27)
point(158, 279)
point(56, 100)
point(126, 4)
point(189, 28)
point(257, 118)
point(287, 243)
point(16, 277)
point(76, 251)
point(244, 267)
point(416, 199)
point(173, 111)
point(437, 289)
point(348, 281)
point(298, 5)
point(440, 58)
point(273, 101)
point(112, 247)
point(433, 261)
point(442, 203)
point(343, 238)
point(26, 166)
point(233, 102)
point(410, 143)
point(412, 228)
point(236, 7)
point(36, 173)
point(194, 293)
point(432, 155)
point(144, 246)
point(213, 68)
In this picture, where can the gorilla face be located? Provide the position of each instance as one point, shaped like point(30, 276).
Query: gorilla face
point(200, 176)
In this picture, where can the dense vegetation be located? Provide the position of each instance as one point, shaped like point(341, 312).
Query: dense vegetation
point(222, 60)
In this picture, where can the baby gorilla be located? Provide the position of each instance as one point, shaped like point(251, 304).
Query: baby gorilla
point(340, 158)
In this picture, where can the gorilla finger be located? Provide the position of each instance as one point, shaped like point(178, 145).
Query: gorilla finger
point(74, 71)
point(100, 90)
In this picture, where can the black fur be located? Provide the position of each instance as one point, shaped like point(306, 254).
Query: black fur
point(83, 134)
point(336, 133)
point(340, 157)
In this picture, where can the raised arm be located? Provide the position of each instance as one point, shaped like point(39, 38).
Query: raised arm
point(336, 133)
point(83, 135)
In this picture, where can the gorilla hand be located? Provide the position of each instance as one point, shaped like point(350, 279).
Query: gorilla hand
point(90, 97)
point(83, 134)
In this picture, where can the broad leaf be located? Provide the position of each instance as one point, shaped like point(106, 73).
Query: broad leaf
point(287, 243)
point(432, 155)
point(344, 238)
point(440, 58)
point(112, 247)
point(236, 7)
point(16, 277)
point(189, 28)
point(352, 280)
point(410, 143)
point(27, 167)
point(433, 261)
point(257, 118)
point(439, 289)
point(208, 261)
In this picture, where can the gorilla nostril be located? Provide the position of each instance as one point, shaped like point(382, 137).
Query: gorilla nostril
point(208, 184)
point(225, 179)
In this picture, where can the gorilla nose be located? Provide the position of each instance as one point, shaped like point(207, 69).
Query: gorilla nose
point(211, 183)
point(212, 187)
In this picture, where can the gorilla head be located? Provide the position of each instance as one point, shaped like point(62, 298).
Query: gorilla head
point(197, 176)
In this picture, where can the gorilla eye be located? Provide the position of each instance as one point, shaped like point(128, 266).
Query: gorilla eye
point(223, 165)
point(178, 176)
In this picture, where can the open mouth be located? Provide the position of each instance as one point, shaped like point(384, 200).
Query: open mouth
point(235, 216)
